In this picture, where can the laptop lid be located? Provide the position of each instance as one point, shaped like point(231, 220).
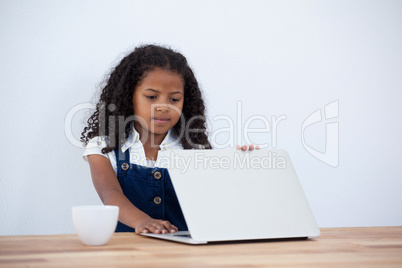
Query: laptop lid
point(236, 195)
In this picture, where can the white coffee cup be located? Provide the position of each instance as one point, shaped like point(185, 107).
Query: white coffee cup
point(95, 225)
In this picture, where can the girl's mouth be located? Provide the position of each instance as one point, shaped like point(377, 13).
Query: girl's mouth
point(161, 121)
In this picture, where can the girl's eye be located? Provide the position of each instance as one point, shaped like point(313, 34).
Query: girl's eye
point(151, 97)
point(174, 100)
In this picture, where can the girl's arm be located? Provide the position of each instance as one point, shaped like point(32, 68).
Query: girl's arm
point(106, 184)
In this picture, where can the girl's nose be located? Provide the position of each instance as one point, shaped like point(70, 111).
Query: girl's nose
point(162, 108)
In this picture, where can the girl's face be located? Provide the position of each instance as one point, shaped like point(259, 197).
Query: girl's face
point(158, 102)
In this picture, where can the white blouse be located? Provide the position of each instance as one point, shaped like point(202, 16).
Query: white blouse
point(133, 143)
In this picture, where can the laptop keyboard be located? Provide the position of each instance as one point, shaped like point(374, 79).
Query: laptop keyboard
point(183, 235)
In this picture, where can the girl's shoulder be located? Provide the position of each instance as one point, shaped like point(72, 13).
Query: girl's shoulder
point(98, 141)
point(95, 146)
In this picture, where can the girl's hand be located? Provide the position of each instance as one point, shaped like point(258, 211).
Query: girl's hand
point(150, 225)
point(244, 147)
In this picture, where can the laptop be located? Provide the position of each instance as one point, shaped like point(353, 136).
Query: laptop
point(234, 195)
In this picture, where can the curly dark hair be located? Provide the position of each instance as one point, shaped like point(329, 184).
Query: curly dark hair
point(116, 99)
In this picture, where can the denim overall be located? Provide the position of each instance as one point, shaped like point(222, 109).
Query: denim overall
point(150, 190)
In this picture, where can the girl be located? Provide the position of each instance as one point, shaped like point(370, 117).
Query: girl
point(151, 102)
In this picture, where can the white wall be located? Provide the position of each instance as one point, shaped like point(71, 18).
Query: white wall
point(276, 57)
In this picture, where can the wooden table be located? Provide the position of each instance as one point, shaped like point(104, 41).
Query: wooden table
point(343, 247)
